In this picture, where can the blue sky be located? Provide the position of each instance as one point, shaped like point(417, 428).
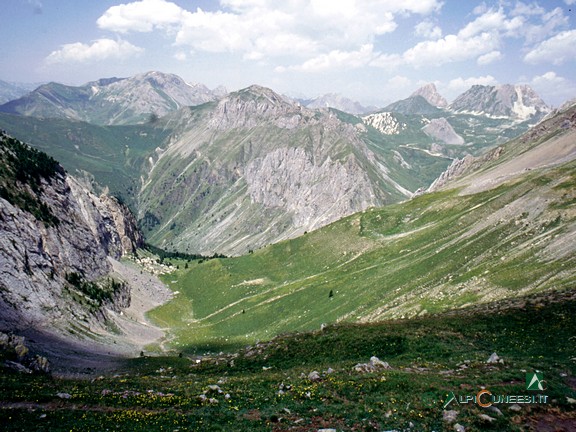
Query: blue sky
point(373, 51)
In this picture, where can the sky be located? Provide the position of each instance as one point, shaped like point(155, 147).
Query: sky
point(372, 51)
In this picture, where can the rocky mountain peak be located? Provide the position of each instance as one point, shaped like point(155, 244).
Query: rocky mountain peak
point(252, 105)
point(113, 101)
point(430, 93)
point(519, 102)
point(337, 101)
point(413, 105)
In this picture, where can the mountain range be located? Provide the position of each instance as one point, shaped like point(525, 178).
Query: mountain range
point(336, 101)
point(113, 101)
point(209, 171)
point(11, 91)
point(493, 227)
point(379, 261)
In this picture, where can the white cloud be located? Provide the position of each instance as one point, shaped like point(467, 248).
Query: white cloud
point(339, 59)
point(460, 85)
point(556, 50)
point(100, 49)
point(488, 58)
point(527, 9)
point(322, 31)
point(493, 21)
point(553, 87)
point(551, 22)
point(570, 2)
point(141, 16)
point(181, 56)
point(399, 82)
point(428, 30)
point(548, 78)
point(451, 48)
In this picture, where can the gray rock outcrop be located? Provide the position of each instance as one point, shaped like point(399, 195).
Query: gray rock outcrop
point(430, 93)
point(515, 101)
point(442, 130)
point(40, 262)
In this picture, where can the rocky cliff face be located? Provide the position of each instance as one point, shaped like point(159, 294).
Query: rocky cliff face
point(55, 239)
point(255, 168)
point(287, 179)
point(430, 93)
point(443, 131)
point(519, 102)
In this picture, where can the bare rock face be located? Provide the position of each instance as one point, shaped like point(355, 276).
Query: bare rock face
point(519, 102)
point(430, 93)
point(441, 130)
point(256, 168)
point(49, 266)
point(252, 106)
point(108, 220)
point(315, 195)
point(385, 122)
point(460, 167)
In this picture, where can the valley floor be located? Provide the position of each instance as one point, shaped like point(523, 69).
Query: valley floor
point(327, 379)
point(102, 350)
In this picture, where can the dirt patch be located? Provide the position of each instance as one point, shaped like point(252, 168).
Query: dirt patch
point(550, 153)
point(553, 422)
point(104, 349)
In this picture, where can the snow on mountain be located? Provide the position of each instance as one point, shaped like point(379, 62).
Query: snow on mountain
point(519, 102)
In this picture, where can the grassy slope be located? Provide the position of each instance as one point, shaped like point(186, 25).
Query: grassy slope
point(430, 357)
point(115, 155)
point(432, 253)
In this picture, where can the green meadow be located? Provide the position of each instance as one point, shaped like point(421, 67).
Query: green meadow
point(270, 386)
point(435, 252)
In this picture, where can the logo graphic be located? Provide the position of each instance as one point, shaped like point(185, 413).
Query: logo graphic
point(535, 381)
point(451, 397)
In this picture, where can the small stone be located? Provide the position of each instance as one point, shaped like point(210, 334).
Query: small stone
point(327, 430)
point(21, 351)
point(459, 428)
point(314, 376)
point(570, 400)
point(40, 364)
point(363, 368)
point(515, 407)
point(64, 395)
point(17, 367)
point(494, 358)
point(215, 388)
point(449, 416)
point(486, 418)
point(495, 410)
point(379, 364)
